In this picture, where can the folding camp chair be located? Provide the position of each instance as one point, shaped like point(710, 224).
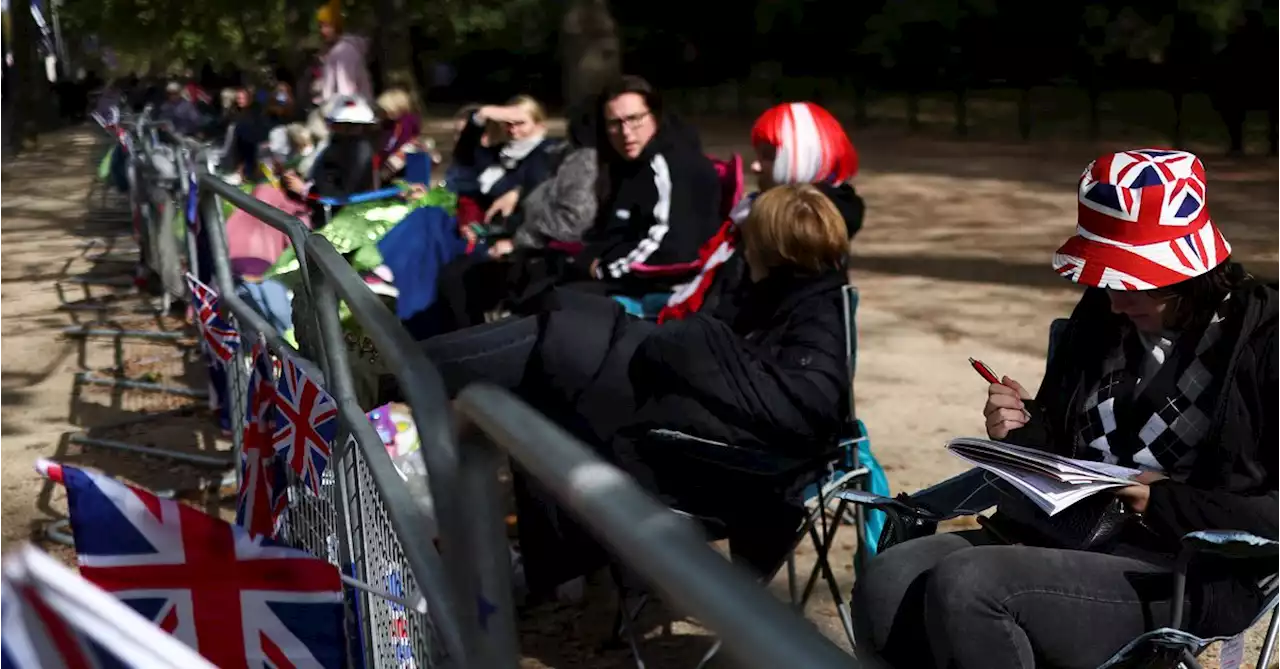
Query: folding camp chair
point(975, 491)
point(847, 466)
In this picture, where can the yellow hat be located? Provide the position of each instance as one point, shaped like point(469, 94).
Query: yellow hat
point(330, 14)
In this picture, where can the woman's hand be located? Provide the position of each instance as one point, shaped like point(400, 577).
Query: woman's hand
point(501, 248)
point(1006, 408)
point(1136, 496)
point(294, 183)
point(504, 205)
point(414, 192)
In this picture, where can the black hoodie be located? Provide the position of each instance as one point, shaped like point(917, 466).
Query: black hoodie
point(658, 208)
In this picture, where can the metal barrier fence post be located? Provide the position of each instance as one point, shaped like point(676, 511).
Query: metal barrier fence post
point(758, 630)
point(424, 391)
point(383, 516)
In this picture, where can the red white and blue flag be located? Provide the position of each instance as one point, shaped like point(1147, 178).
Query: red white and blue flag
point(306, 424)
point(262, 496)
point(241, 601)
point(220, 338)
point(54, 619)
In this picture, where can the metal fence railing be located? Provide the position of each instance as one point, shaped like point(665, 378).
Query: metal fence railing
point(367, 522)
point(364, 518)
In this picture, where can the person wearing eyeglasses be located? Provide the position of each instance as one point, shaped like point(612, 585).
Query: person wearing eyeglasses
point(659, 196)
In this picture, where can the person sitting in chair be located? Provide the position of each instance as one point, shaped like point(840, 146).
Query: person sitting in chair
point(1168, 365)
point(769, 379)
point(794, 142)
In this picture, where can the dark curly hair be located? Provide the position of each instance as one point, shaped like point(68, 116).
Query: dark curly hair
point(1197, 299)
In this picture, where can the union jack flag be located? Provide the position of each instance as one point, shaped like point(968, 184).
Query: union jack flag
point(240, 600)
point(221, 340)
point(262, 495)
point(1143, 223)
point(306, 424)
point(54, 619)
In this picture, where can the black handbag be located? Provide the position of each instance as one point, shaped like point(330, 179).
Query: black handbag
point(1092, 524)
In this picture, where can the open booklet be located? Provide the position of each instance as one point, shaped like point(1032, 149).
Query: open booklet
point(1051, 481)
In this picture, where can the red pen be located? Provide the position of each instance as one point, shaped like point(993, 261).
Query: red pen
point(984, 371)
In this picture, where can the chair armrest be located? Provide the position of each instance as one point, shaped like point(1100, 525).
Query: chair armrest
point(666, 271)
point(357, 198)
point(1230, 544)
point(966, 494)
point(730, 456)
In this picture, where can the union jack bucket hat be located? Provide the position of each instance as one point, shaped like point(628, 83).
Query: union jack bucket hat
point(1143, 223)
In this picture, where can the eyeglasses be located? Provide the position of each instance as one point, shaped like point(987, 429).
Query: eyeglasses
point(616, 125)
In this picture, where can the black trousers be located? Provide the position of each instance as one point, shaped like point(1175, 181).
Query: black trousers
point(959, 601)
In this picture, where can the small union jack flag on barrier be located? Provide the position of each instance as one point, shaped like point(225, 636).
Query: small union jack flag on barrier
point(262, 495)
point(241, 601)
point(221, 340)
point(306, 424)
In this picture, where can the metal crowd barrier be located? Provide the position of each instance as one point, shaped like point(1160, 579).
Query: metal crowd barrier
point(378, 530)
point(667, 550)
point(365, 520)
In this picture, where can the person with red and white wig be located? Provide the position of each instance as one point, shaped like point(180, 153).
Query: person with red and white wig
point(794, 143)
point(1166, 366)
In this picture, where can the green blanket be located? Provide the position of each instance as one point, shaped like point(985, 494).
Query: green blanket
point(357, 229)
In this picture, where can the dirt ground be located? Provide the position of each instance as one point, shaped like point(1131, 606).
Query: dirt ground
point(952, 262)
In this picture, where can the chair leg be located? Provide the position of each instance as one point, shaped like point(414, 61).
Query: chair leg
point(1189, 660)
point(791, 578)
point(710, 655)
point(1269, 643)
point(821, 547)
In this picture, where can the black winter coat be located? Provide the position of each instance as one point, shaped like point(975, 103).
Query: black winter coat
point(533, 169)
point(772, 379)
point(1232, 483)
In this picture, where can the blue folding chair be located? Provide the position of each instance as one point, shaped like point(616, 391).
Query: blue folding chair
point(975, 491)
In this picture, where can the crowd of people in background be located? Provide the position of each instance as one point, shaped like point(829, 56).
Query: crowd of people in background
point(625, 283)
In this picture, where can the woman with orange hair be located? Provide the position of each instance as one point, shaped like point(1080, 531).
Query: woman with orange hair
point(794, 143)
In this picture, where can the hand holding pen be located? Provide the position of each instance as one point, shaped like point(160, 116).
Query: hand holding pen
point(1006, 408)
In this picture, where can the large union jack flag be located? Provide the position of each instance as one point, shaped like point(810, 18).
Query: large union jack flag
point(54, 619)
point(1143, 223)
point(262, 495)
point(306, 424)
point(241, 601)
point(220, 338)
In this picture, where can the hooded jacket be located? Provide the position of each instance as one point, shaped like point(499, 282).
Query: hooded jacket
point(344, 70)
point(722, 270)
point(1231, 484)
point(658, 209)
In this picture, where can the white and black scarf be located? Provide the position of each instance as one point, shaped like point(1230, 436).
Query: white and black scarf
point(1173, 412)
point(509, 156)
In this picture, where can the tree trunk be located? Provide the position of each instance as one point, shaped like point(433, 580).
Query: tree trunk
point(394, 51)
point(590, 50)
point(27, 87)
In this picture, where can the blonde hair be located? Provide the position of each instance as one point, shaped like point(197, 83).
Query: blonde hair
point(531, 105)
point(795, 225)
point(395, 102)
point(299, 136)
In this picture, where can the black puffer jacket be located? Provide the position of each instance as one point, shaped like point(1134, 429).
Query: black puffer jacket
point(1230, 485)
point(772, 377)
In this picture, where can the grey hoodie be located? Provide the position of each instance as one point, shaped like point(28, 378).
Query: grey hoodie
point(345, 72)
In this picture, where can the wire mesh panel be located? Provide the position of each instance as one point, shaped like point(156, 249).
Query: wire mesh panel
point(346, 521)
point(400, 637)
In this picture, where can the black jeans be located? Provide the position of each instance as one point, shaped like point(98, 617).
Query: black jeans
point(988, 606)
point(496, 353)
